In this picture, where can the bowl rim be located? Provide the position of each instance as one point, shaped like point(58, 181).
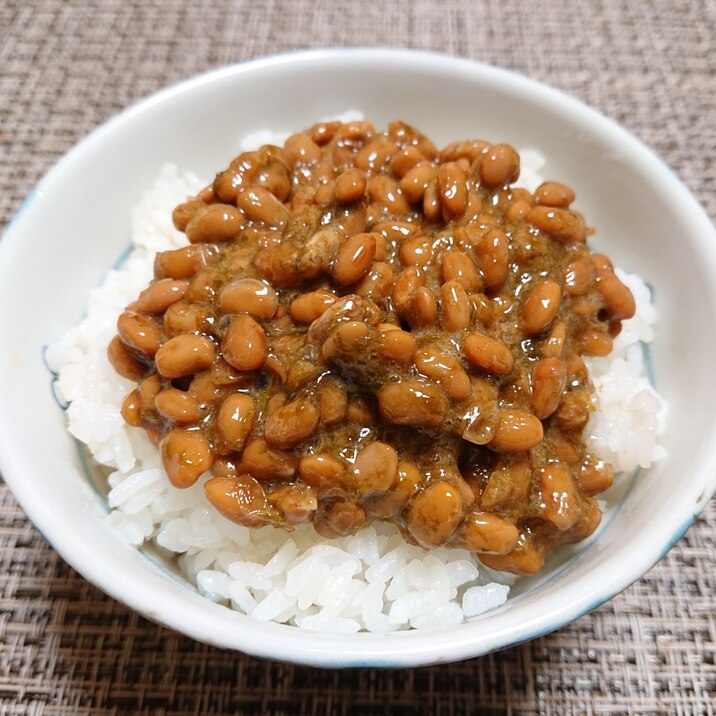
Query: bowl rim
point(372, 650)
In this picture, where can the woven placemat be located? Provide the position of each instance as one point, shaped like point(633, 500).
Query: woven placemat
point(66, 66)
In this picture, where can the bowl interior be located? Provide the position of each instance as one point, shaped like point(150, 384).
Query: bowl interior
point(76, 225)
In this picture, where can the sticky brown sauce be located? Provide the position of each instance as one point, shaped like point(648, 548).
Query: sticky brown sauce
point(364, 327)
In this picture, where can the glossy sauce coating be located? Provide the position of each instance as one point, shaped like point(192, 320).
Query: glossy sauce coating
point(364, 327)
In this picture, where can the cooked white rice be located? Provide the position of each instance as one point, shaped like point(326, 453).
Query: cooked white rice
point(369, 581)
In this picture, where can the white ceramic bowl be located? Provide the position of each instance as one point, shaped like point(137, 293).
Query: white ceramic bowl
point(76, 224)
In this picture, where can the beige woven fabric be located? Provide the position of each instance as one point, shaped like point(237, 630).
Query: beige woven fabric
point(65, 66)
